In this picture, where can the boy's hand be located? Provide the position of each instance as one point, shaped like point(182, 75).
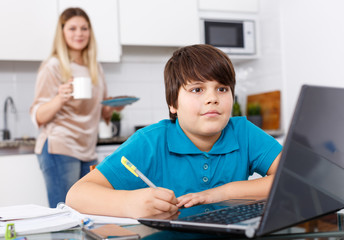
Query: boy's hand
point(150, 201)
point(204, 197)
point(192, 199)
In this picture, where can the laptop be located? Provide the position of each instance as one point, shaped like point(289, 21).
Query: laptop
point(308, 182)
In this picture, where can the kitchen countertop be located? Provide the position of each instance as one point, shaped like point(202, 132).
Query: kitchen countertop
point(17, 146)
point(26, 146)
point(111, 141)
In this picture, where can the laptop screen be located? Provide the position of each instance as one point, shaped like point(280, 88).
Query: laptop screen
point(309, 180)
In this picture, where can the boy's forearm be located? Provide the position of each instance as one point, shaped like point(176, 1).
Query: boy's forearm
point(252, 189)
point(92, 198)
point(249, 189)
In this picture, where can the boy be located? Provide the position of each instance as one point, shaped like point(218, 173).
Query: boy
point(199, 156)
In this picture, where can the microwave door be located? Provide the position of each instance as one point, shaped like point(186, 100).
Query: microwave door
point(230, 37)
point(221, 34)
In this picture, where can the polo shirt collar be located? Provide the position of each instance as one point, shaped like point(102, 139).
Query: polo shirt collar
point(179, 143)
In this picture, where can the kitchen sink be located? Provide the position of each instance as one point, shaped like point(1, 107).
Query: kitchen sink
point(17, 146)
point(9, 144)
point(17, 142)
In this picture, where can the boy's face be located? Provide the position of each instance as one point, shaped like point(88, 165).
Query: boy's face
point(204, 108)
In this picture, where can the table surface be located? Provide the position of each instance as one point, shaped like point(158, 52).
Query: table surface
point(325, 227)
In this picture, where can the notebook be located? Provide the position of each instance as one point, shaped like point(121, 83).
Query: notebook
point(308, 182)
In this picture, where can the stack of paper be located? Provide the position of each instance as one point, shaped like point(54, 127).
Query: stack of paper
point(29, 219)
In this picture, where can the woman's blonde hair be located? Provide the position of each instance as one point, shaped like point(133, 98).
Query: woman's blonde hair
point(60, 48)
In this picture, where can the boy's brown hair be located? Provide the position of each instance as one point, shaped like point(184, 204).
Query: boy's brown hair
point(200, 62)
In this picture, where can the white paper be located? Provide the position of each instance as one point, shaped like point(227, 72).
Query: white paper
point(98, 218)
point(30, 219)
point(26, 211)
point(41, 225)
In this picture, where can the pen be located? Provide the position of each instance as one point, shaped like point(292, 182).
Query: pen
point(136, 172)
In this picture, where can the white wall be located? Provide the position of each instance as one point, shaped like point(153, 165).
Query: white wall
point(265, 73)
point(312, 45)
point(17, 79)
point(140, 74)
point(301, 42)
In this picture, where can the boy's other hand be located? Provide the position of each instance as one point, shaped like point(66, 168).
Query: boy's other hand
point(151, 201)
point(192, 199)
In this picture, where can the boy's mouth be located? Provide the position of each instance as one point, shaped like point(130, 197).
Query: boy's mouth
point(211, 113)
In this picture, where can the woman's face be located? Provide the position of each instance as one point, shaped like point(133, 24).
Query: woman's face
point(76, 32)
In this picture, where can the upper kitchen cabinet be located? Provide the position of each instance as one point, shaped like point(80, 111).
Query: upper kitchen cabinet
point(159, 22)
point(27, 29)
point(249, 6)
point(104, 19)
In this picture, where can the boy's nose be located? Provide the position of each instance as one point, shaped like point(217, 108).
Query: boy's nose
point(211, 97)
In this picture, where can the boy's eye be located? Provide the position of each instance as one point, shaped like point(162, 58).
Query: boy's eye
point(196, 90)
point(223, 89)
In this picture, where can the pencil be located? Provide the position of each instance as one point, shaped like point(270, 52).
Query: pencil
point(136, 172)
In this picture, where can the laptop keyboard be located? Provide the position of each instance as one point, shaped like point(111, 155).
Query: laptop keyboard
point(228, 215)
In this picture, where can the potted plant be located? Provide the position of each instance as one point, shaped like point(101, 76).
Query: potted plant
point(116, 123)
point(254, 114)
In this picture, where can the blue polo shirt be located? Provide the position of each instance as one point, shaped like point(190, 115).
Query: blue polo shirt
point(169, 159)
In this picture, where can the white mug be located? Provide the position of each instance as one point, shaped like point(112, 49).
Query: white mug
point(82, 88)
point(105, 130)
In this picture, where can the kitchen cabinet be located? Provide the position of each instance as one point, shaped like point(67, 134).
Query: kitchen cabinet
point(249, 6)
point(104, 19)
point(27, 29)
point(22, 181)
point(159, 22)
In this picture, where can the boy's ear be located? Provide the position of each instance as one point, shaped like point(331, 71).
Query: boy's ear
point(173, 109)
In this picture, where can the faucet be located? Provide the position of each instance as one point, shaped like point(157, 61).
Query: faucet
point(6, 133)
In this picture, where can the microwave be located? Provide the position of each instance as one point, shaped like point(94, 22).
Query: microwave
point(234, 37)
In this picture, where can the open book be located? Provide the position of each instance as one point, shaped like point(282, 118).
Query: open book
point(31, 219)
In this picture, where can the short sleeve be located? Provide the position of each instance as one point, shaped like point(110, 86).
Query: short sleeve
point(136, 148)
point(47, 84)
point(262, 149)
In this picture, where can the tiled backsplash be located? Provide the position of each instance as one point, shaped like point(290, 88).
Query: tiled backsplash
point(140, 74)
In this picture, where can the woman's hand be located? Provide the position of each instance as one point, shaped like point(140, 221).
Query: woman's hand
point(151, 201)
point(108, 110)
point(47, 111)
point(65, 92)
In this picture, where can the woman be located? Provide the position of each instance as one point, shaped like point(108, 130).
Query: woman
point(66, 145)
